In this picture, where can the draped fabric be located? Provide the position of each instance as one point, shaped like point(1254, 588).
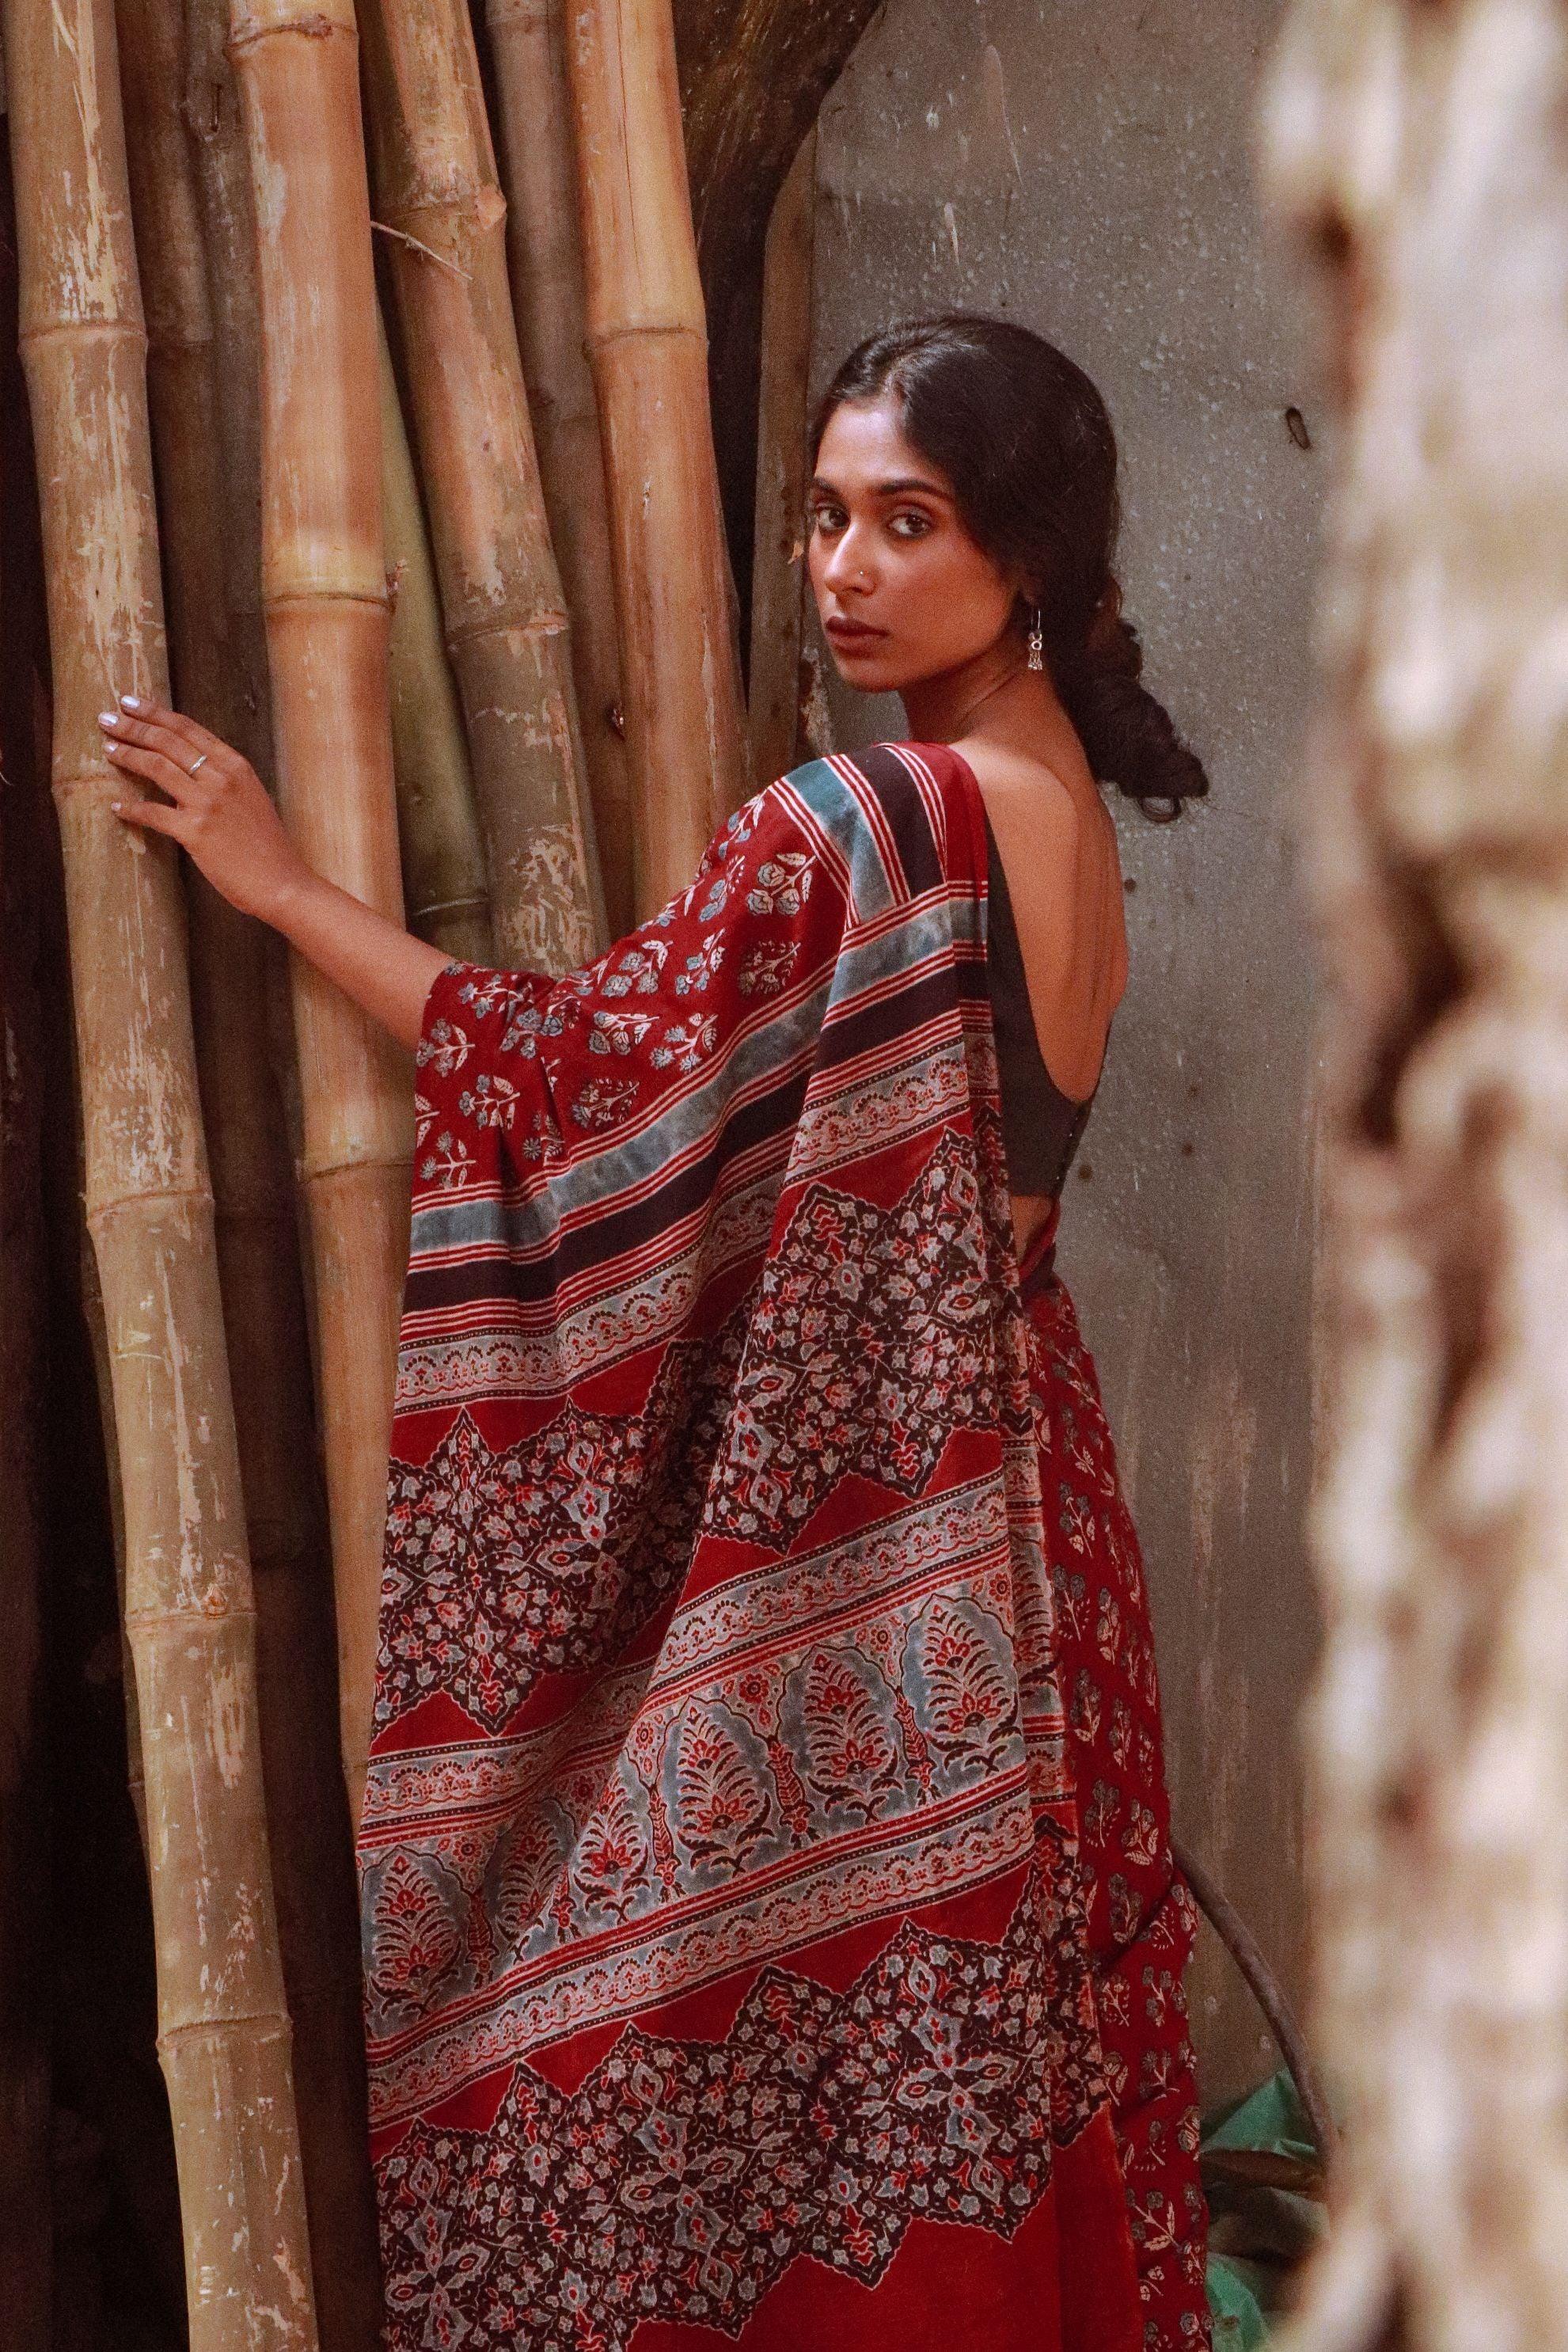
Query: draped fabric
point(756, 1951)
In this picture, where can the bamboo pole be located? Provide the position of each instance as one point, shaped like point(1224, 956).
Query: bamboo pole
point(224, 2031)
point(257, 1237)
point(25, 2018)
point(507, 624)
point(215, 136)
point(442, 856)
point(324, 591)
point(778, 574)
point(647, 340)
point(544, 256)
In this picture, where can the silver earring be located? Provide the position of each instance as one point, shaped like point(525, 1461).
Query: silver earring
point(1036, 642)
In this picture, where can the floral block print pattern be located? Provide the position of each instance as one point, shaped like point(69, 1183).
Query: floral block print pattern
point(747, 1914)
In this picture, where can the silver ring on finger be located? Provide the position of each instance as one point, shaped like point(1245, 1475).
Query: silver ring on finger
point(200, 762)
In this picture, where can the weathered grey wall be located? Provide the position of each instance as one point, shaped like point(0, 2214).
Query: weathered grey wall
point(1084, 165)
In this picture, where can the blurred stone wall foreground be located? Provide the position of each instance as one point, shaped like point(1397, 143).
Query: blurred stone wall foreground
point(1419, 153)
point(1086, 166)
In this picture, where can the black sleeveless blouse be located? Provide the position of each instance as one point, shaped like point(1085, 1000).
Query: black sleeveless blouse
point(1042, 1127)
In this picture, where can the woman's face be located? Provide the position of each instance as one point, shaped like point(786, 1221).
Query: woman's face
point(903, 591)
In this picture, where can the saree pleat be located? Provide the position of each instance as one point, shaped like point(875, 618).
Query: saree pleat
point(734, 1951)
point(1140, 1915)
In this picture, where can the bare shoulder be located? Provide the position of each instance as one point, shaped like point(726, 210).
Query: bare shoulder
point(1031, 803)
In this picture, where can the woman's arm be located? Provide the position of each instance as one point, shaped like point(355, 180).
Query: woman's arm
point(218, 811)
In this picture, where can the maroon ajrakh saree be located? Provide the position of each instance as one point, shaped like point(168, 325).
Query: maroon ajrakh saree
point(771, 1938)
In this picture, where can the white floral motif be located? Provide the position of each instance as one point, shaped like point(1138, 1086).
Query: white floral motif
point(491, 990)
point(717, 896)
point(700, 967)
point(527, 1025)
point(766, 967)
point(618, 1033)
point(686, 1042)
point(542, 1141)
point(639, 969)
point(492, 1101)
point(443, 1050)
point(601, 1102)
point(451, 1163)
point(782, 884)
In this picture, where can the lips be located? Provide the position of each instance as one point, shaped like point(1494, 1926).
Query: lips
point(852, 632)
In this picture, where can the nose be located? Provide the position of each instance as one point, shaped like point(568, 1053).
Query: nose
point(847, 570)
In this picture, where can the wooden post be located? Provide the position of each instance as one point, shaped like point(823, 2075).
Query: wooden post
point(778, 584)
point(647, 339)
point(444, 878)
point(324, 588)
point(224, 2030)
point(1417, 158)
point(507, 625)
point(544, 256)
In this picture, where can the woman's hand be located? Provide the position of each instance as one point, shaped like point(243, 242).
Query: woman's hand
point(217, 807)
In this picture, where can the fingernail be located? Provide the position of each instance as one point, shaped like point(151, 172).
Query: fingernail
point(131, 702)
point(116, 806)
point(109, 718)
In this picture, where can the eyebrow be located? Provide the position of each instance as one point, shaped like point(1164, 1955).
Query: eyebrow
point(891, 489)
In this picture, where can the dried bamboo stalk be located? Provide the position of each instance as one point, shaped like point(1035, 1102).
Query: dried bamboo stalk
point(507, 624)
point(324, 590)
point(1417, 155)
point(544, 256)
point(443, 879)
point(224, 2030)
point(257, 1237)
point(647, 340)
point(215, 135)
point(24, 2015)
point(779, 572)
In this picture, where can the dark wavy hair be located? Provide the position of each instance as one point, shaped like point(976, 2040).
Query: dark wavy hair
point(1028, 444)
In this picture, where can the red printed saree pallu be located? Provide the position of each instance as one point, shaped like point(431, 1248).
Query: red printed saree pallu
point(1141, 1917)
point(725, 1950)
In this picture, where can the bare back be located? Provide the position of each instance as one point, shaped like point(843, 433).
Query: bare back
point(1058, 842)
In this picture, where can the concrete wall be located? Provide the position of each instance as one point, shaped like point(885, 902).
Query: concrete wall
point(1084, 165)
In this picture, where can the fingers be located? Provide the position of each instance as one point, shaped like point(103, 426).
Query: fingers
point(149, 816)
point(141, 711)
point(152, 727)
point(156, 768)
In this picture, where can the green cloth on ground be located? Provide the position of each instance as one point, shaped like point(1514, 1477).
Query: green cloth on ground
point(1243, 2295)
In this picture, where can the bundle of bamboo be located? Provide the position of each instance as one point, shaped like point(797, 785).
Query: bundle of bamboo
point(257, 1241)
point(544, 254)
point(223, 2035)
point(289, 502)
point(506, 620)
point(648, 342)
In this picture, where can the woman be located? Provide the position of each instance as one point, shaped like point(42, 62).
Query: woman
point(771, 1931)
